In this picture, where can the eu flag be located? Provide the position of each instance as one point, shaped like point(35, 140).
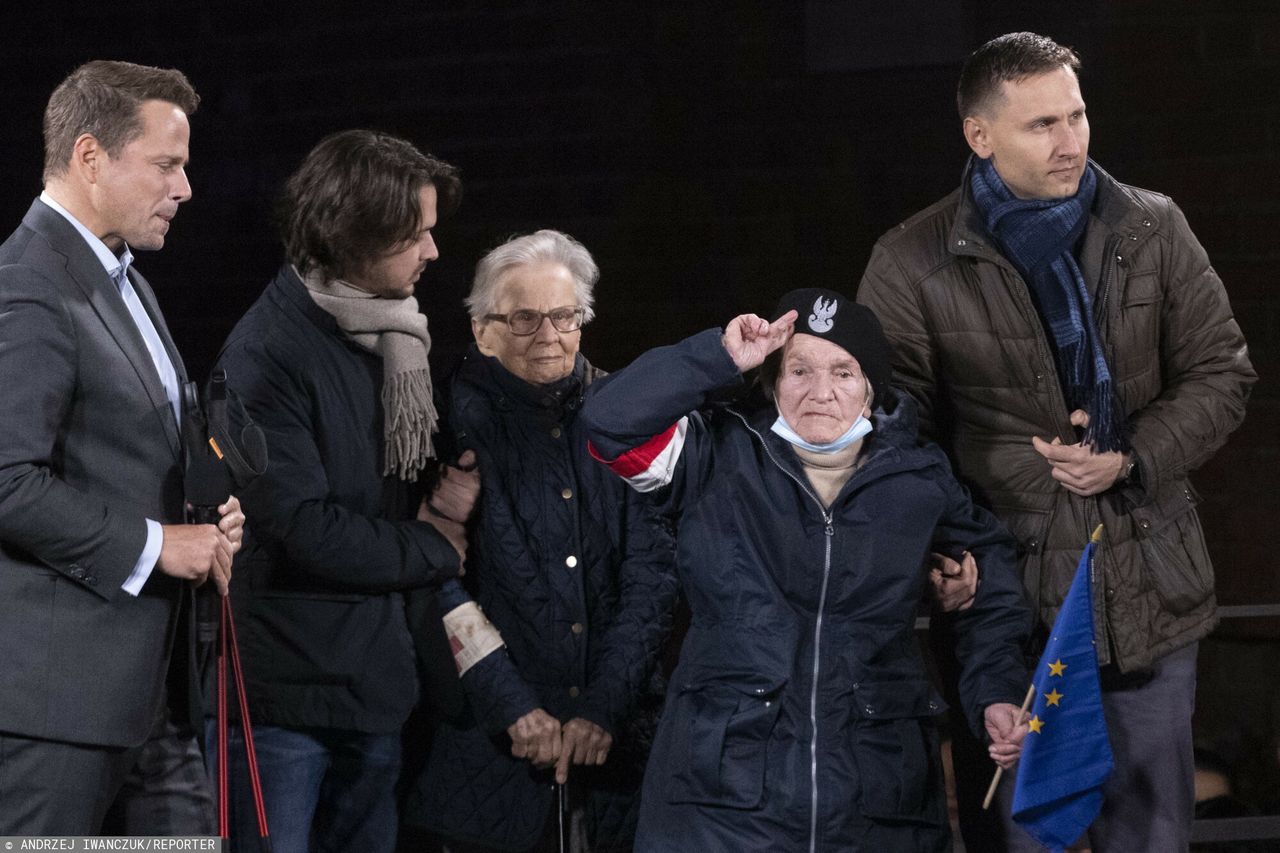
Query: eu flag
point(1066, 756)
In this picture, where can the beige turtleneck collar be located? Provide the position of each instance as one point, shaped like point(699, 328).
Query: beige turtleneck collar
point(828, 472)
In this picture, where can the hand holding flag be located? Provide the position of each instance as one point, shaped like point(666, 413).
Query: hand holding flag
point(1067, 755)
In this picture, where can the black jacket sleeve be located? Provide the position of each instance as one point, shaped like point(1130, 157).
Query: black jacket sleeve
point(992, 634)
point(294, 505)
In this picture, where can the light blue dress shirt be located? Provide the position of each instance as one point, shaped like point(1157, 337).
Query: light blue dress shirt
point(118, 269)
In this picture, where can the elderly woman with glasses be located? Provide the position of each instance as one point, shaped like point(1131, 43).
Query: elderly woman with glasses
point(801, 712)
point(569, 585)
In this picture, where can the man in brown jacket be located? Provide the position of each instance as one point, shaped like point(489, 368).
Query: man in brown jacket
point(1075, 353)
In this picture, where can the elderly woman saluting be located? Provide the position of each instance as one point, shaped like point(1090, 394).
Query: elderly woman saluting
point(575, 575)
point(799, 717)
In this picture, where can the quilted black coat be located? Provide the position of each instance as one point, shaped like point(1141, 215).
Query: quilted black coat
point(577, 573)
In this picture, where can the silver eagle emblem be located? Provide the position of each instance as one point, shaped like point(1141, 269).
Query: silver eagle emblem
point(823, 311)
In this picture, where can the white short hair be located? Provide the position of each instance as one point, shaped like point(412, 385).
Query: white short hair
point(539, 247)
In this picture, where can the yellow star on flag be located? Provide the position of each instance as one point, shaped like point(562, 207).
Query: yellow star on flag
point(1057, 667)
point(1035, 724)
point(1053, 697)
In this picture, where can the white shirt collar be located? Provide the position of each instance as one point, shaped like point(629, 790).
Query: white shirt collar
point(110, 262)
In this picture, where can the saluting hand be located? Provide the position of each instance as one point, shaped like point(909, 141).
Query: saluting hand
point(750, 338)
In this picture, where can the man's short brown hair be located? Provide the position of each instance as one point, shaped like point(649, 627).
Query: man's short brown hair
point(103, 98)
point(1012, 57)
point(355, 198)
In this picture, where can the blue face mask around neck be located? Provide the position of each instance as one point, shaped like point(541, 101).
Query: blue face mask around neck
point(860, 428)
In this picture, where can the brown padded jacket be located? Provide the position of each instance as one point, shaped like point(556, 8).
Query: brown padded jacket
point(969, 346)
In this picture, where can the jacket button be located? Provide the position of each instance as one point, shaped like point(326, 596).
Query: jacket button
point(571, 561)
point(566, 493)
point(933, 706)
point(574, 691)
point(1187, 494)
point(1145, 525)
point(1111, 592)
point(868, 710)
point(962, 242)
point(1146, 223)
point(555, 432)
point(576, 627)
point(1133, 236)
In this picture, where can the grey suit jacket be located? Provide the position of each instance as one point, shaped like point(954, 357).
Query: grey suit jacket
point(89, 449)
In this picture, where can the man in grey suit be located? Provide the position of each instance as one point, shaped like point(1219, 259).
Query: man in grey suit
point(96, 568)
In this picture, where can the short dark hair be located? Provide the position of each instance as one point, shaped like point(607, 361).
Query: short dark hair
point(1012, 57)
point(355, 197)
point(103, 98)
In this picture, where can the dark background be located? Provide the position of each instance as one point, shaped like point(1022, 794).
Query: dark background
point(712, 156)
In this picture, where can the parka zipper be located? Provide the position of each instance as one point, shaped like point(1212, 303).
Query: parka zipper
point(829, 531)
point(1111, 260)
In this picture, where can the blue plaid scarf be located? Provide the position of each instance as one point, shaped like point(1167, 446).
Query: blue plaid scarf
point(1039, 236)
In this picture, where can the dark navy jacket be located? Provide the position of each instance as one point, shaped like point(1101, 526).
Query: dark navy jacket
point(799, 717)
point(577, 573)
point(331, 544)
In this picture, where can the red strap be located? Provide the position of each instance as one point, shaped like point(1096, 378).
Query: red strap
point(224, 817)
point(251, 755)
point(228, 639)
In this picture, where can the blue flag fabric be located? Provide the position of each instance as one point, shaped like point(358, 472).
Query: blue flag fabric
point(1066, 756)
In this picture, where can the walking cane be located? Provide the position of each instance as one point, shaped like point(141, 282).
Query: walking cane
point(562, 811)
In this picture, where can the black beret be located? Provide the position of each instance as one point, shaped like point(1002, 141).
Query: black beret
point(852, 327)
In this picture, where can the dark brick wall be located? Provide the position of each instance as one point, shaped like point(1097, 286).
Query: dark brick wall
point(711, 155)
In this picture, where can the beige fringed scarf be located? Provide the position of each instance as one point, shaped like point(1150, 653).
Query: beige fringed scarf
point(395, 330)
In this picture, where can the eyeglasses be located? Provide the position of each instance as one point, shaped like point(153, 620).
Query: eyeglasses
point(526, 321)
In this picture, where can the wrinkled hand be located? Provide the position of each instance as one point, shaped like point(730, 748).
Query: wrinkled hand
point(954, 585)
point(749, 338)
point(449, 505)
point(455, 495)
point(582, 742)
point(536, 736)
point(1076, 466)
point(1006, 728)
point(193, 552)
